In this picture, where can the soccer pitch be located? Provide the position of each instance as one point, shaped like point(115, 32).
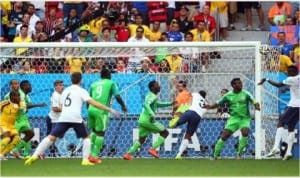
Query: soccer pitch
point(152, 167)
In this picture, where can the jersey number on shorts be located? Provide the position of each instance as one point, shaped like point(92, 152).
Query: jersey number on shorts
point(68, 101)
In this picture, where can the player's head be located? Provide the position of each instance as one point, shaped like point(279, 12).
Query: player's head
point(237, 84)
point(14, 84)
point(25, 86)
point(202, 93)
point(15, 97)
point(292, 70)
point(224, 91)
point(105, 73)
point(181, 85)
point(58, 85)
point(154, 86)
point(76, 78)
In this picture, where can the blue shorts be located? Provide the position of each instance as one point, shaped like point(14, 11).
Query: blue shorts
point(62, 127)
point(290, 117)
point(50, 125)
point(192, 118)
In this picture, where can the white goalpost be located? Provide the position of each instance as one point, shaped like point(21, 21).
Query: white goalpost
point(226, 60)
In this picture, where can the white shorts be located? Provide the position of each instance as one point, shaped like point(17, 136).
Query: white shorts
point(222, 18)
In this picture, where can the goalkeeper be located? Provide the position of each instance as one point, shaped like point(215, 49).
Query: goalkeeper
point(9, 112)
point(182, 102)
point(147, 123)
point(22, 122)
point(238, 101)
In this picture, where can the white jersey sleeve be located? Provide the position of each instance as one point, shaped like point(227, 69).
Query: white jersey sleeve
point(294, 84)
point(55, 102)
point(72, 100)
point(198, 103)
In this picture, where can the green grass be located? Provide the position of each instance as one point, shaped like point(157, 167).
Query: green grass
point(152, 167)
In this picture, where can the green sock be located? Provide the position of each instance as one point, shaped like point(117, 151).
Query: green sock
point(97, 146)
point(27, 148)
point(218, 147)
point(242, 144)
point(20, 145)
point(93, 138)
point(134, 147)
point(158, 142)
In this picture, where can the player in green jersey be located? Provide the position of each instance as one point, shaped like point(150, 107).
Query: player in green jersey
point(22, 122)
point(147, 123)
point(101, 91)
point(238, 101)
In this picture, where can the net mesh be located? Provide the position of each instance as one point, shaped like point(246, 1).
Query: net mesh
point(222, 63)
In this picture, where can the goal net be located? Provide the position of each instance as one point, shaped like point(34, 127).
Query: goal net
point(43, 63)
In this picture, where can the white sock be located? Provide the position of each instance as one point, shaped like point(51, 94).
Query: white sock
point(86, 148)
point(183, 146)
point(278, 137)
point(290, 142)
point(44, 145)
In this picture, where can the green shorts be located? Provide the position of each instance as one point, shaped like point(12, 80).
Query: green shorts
point(148, 127)
point(22, 123)
point(233, 124)
point(98, 120)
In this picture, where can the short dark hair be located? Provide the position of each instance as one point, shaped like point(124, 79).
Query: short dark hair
point(56, 82)
point(280, 33)
point(76, 77)
point(11, 81)
point(105, 73)
point(188, 33)
point(105, 28)
point(151, 84)
point(293, 67)
point(202, 93)
point(23, 83)
point(23, 26)
point(234, 80)
point(182, 82)
point(140, 27)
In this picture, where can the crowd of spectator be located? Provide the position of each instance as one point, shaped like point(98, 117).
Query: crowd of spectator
point(140, 22)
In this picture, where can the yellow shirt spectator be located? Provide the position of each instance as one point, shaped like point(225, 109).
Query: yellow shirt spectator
point(155, 36)
point(198, 36)
point(18, 39)
point(221, 6)
point(284, 62)
point(76, 64)
point(175, 62)
point(5, 7)
point(133, 27)
point(95, 25)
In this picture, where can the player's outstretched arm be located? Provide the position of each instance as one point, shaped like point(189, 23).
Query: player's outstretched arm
point(121, 102)
point(276, 84)
point(213, 106)
point(101, 106)
point(29, 106)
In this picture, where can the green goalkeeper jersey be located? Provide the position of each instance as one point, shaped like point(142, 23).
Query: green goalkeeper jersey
point(238, 103)
point(102, 91)
point(150, 105)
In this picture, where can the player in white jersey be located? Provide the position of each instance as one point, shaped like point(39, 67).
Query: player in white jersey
point(55, 108)
point(290, 116)
point(55, 111)
point(192, 116)
point(72, 100)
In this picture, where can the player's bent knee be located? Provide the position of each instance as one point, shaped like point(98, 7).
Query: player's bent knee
point(52, 138)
